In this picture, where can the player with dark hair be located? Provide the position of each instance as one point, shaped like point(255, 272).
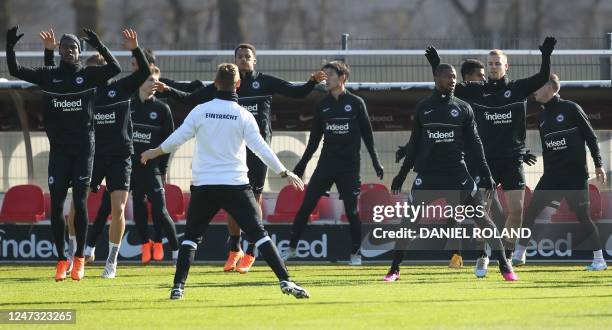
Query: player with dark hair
point(472, 70)
point(254, 94)
point(564, 131)
point(113, 133)
point(342, 118)
point(69, 93)
point(443, 131)
point(153, 123)
point(500, 109)
point(223, 129)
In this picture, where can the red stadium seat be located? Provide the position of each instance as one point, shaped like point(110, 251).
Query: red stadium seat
point(288, 203)
point(504, 202)
point(371, 194)
point(564, 214)
point(606, 204)
point(23, 203)
point(175, 203)
point(596, 202)
point(374, 194)
point(221, 216)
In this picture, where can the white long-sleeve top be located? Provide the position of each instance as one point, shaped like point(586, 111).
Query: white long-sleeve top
point(222, 130)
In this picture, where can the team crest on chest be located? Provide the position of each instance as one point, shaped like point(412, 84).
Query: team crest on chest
point(454, 113)
point(256, 85)
point(560, 117)
point(79, 80)
point(348, 108)
point(507, 94)
point(153, 115)
point(112, 93)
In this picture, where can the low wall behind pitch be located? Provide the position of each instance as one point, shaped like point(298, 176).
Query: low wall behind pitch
point(322, 243)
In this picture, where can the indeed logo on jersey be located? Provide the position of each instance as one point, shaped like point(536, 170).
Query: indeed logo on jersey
point(337, 128)
point(499, 118)
point(68, 106)
point(441, 137)
point(556, 144)
point(251, 108)
point(104, 118)
point(140, 137)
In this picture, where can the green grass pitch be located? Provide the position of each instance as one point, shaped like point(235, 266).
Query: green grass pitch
point(342, 297)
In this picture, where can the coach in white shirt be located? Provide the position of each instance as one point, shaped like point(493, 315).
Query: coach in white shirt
point(223, 129)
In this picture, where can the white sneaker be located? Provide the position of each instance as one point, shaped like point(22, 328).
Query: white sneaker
point(355, 259)
point(110, 271)
point(518, 260)
point(89, 254)
point(288, 287)
point(289, 254)
point(597, 266)
point(482, 266)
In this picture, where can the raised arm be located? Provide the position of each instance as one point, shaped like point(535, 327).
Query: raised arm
point(288, 89)
point(48, 38)
point(188, 87)
point(463, 90)
point(101, 74)
point(531, 84)
point(133, 81)
point(201, 95)
point(32, 75)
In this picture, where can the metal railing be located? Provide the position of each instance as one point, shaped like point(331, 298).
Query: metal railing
point(366, 65)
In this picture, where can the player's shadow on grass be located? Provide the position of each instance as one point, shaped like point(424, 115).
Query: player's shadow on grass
point(588, 315)
point(54, 303)
point(560, 270)
point(560, 285)
point(24, 279)
point(504, 298)
point(306, 283)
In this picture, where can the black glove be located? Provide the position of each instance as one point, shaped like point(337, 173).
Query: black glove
point(529, 158)
point(432, 56)
point(400, 153)
point(92, 38)
point(378, 168)
point(548, 46)
point(299, 169)
point(488, 183)
point(12, 38)
point(398, 181)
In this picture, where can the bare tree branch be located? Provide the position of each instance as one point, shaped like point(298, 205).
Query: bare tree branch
point(231, 23)
point(5, 19)
point(87, 15)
